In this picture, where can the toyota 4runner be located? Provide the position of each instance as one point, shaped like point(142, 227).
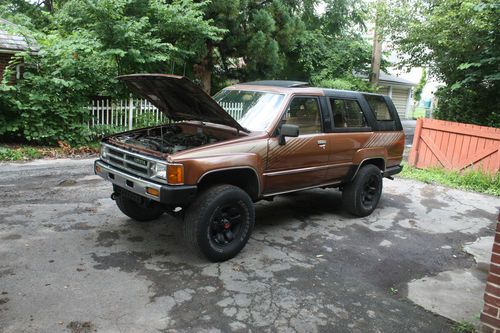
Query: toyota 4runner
point(210, 167)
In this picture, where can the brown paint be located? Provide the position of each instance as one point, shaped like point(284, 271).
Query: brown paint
point(300, 163)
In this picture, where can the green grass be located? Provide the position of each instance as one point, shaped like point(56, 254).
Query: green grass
point(463, 327)
point(11, 152)
point(476, 181)
point(418, 113)
point(19, 154)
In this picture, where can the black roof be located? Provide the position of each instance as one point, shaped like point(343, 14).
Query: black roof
point(278, 83)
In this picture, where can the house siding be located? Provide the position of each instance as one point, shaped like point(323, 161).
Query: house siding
point(400, 100)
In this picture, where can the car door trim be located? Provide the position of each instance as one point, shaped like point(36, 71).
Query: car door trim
point(301, 170)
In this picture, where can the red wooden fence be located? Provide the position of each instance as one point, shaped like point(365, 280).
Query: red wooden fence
point(455, 146)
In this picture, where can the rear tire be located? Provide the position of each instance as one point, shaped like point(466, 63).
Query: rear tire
point(147, 211)
point(219, 222)
point(361, 196)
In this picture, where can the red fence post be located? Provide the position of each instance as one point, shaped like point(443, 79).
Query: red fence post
point(412, 159)
point(490, 316)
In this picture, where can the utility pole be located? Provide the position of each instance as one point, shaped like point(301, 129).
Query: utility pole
point(376, 52)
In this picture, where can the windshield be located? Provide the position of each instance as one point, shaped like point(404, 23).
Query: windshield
point(253, 110)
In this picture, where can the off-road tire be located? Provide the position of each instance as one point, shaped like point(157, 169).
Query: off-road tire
point(147, 211)
point(201, 215)
point(355, 193)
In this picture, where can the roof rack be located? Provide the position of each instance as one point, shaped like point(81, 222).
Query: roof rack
point(278, 83)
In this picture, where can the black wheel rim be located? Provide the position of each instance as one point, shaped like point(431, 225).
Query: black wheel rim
point(370, 191)
point(226, 224)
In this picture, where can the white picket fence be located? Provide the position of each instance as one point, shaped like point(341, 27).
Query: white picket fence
point(134, 112)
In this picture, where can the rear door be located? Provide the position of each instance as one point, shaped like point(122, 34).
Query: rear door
point(349, 132)
point(303, 161)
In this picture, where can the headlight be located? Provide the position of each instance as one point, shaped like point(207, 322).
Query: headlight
point(104, 152)
point(172, 173)
point(160, 170)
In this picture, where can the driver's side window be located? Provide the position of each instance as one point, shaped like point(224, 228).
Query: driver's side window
point(305, 113)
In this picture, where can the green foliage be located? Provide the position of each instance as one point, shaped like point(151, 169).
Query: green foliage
point(83, 47)
point(25, 153)
point(417, 96)
point(288, 40)
point(345, 83)
point(463, 327)
point(459, 42)
point(470, 180)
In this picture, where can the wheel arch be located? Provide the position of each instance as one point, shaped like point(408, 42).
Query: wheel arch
point(244, 177)
point(379, 162)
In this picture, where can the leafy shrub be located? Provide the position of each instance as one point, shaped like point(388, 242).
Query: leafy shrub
point(10, 154)
point(50, 102)
point(346, 83)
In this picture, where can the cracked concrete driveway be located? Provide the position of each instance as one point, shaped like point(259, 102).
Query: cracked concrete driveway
point(71, 262)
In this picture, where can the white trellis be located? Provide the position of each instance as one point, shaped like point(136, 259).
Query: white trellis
point(134, 112)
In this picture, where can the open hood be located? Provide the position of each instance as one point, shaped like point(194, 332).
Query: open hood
point(179, 98)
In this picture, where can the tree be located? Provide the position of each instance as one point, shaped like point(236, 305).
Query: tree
point(459, 41)
point(283, 39)
point(417, 95)
point(80, 56)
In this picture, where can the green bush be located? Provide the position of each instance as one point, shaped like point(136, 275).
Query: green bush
point(11, 154)
point(50, 102)
point(471, 104)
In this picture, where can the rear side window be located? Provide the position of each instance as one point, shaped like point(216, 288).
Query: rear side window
point(379, 107)
point(347, 113)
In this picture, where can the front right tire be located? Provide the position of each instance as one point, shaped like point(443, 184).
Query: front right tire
point(219, 222)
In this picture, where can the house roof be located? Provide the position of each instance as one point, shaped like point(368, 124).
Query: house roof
point(12, 43)
point(394, 80)
point(389, 80)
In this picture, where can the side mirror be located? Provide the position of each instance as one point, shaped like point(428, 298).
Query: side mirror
point(288, 130)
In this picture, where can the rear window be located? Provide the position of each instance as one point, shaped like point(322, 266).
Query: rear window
point(347, 113)
point(379, 107)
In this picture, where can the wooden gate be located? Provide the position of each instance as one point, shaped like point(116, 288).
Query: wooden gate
point(455, 146)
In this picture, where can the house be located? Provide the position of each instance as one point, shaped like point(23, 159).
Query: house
point(11, 44)
point(400, 90)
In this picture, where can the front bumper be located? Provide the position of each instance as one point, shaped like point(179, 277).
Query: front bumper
point(168, 194)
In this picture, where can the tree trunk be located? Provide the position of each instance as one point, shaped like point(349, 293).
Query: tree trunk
point(203, 70)
point(49, 5)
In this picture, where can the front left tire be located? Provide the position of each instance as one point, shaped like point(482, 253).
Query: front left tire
point(146, 211)
point(219, 222)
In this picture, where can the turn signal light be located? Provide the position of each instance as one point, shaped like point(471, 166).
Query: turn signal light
point(152, 191)
point(175, 174)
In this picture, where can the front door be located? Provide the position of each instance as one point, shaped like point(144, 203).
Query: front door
point(302, 161)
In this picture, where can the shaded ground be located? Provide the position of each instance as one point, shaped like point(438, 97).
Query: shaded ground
point(71, 262)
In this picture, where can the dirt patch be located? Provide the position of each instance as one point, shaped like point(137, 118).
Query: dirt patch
point(136, 239)
point(107, 238)
point(81, 226)
point(12, 237)
point(67, 182)
point(4, 300)
point(81, 327)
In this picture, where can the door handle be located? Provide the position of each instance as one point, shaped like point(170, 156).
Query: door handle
point(322, 144)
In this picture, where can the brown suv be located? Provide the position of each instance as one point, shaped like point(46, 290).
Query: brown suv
point(210, 167)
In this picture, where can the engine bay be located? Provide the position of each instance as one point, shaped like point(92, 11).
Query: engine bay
point(165, 139)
